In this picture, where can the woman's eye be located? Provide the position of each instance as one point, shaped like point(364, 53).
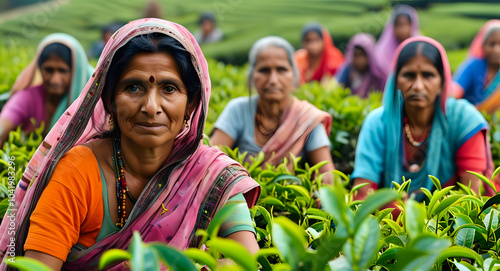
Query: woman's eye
point(132, 88)
point(263, 70)
point(409, 75)
point(428, 74)
point(170, 89)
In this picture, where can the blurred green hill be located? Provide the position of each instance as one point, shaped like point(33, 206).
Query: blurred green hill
point(244, 21)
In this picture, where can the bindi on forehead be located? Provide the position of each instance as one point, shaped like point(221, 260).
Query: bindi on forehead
point(151, 79)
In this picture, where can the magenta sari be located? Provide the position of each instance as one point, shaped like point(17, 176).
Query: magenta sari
point(195, 180)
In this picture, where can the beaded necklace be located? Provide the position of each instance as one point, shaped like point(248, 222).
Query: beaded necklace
point(121, 184)
point(413, 141)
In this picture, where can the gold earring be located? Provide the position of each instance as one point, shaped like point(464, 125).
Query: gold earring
point(186, 122)
point(111, 122)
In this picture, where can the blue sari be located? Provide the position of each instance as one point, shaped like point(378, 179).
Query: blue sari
point(380, 153)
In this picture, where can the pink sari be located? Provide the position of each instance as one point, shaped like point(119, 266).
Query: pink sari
point(298, 122)
point(197, 179)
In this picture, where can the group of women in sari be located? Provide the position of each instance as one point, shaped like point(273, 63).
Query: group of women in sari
point(127, 154)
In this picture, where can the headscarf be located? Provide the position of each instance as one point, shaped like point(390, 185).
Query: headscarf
point(491, 90)
point(330, 61)
point(372, 78)
point(455, 121)
point(81, 71)
point(298, 120)
point(188, 179)
point(476, 47)
point(387, 43)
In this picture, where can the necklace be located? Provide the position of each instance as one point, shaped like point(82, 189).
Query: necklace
point(262, 129)
point(412, 141)
point(121, 184)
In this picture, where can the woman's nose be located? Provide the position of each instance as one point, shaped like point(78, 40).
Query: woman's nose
point(273, 77)
point(151, 103)
point(418, 83)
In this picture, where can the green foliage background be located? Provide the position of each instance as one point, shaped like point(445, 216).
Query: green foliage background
point(243, 22)
point(452, 230)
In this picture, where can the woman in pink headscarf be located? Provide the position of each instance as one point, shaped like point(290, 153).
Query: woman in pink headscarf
point(402, 24)
point(127, 156)
point(360, 73)
point(478, 78)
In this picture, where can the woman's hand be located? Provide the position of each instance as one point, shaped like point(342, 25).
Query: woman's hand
point(49, 260)
point(247, 239)
point(219, 138)
point(467, 178)
point(364, 191)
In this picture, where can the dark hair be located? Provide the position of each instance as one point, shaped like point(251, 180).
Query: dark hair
point(359, 47)
point(312, 27)
point(150, 43)
point(426, 49)
point(55, 49)
point(206, 16)
point(404, 15)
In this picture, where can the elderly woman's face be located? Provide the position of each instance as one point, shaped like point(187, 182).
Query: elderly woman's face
point(151, 100)
point(419, 81)
point(491, 48)
point(273, 74)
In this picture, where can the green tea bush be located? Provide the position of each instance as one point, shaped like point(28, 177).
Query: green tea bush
point(302, 225)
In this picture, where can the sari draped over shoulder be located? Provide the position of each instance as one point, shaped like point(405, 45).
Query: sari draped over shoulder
point(331, 60)
point(195, 181)
point(297, 123)
point(371, 79)
point(387, 43)
point(455, 121)
point(486, 96)
point(81, 71)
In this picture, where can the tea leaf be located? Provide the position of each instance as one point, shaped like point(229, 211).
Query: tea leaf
point(375, 201)
point(282, 177)
point(459, 252)
point(464, 266)
point(465, 237)
point(485, 180)
point(437, 196)
point(445, 204)
point(290, 241)
point(366, 242)
point(492, 201)
point(201, 257)
point(27, 264)
point(436, 182)
point(414, 218)
point(172, 257)
point(234, 251)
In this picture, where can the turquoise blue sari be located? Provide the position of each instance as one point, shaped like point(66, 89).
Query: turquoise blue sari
point(380, 152)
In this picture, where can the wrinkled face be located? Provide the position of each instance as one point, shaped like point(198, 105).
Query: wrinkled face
point(420, 82)
point(273, 75)
point(491, 48)
point(56, 75)
point(313, 44)
point(360, 60)
point(402, 28)
point(151, 100)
